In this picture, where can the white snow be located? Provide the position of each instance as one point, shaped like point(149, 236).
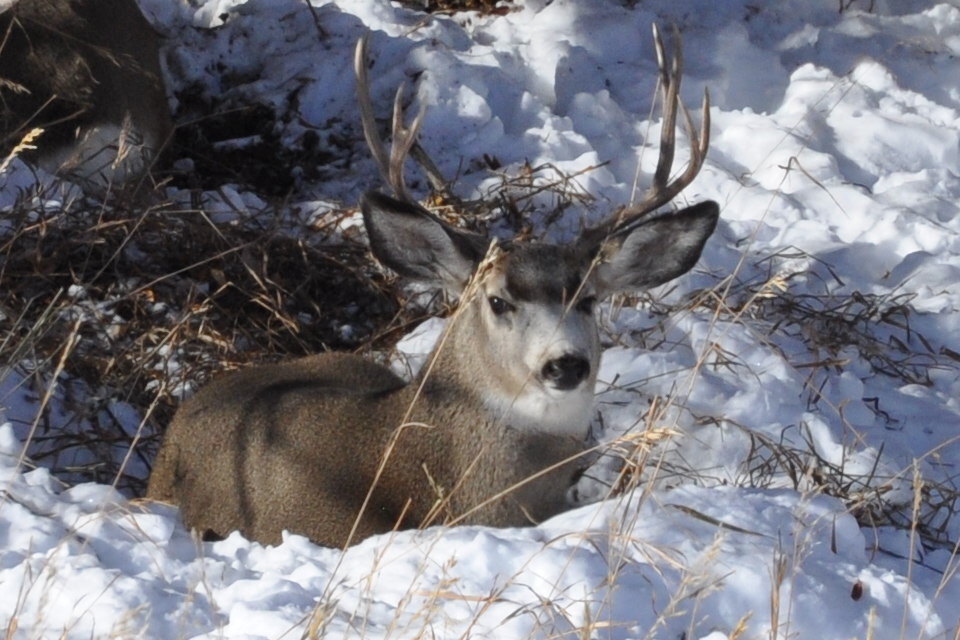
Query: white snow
point(835, 158)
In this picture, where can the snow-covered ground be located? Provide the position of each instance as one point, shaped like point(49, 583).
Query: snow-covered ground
point(811, 356)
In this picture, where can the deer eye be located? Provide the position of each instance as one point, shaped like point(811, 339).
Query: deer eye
point(586, 304)
point(499, 306)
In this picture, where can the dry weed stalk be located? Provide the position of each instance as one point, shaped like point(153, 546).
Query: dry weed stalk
point(25, 144)
point(239, 267)
point(878, 327)
point(696, 582)
point(148, 317)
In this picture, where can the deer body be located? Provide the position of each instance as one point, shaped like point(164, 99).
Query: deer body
point(493, 430)
point(288, 465)
point(300, 443)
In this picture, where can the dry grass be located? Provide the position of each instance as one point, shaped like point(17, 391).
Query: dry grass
point(121, 301)
point(830, 326)
point(140, 302)
point(483, 7)
point(136, 303)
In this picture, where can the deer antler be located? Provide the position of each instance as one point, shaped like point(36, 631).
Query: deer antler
point(403, 137)
point(663, 190)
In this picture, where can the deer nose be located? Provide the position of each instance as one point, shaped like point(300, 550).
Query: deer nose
point(566, 372)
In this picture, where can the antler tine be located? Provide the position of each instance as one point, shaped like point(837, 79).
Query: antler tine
point(670, 90)
point(370, 133)
point(663, 190)
point(403, 140)
point(390, 164)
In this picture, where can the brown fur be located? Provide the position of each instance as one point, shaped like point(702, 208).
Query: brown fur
point(257, 451)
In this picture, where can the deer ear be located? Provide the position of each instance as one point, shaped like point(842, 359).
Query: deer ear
point(656, 251)
point(417, 245)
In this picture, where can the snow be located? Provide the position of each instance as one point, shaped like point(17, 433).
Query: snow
point(834, 156)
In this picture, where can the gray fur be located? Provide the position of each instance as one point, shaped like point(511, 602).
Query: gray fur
point(659, 250)
point(544, 273)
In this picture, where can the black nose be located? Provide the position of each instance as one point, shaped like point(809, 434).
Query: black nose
point(566, 372)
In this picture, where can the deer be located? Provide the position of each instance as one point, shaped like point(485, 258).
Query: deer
point(494, 429)
point(86, 72)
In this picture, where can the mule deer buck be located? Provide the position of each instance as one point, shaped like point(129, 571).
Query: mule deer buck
point(87, 72)
point(337, 448)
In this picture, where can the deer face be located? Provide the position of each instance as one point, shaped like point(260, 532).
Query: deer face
point(527, 334)
point(535, 334)
point(536, 310)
